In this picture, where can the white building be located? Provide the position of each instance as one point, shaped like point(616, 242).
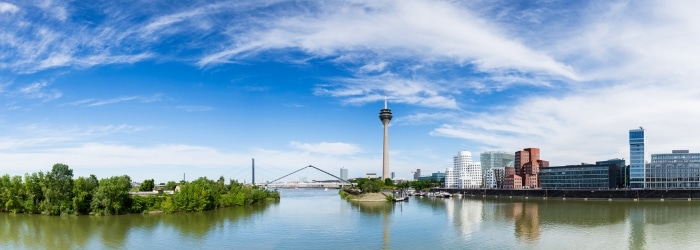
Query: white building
point(469, 171)
point(679, 169)
point(451, 178)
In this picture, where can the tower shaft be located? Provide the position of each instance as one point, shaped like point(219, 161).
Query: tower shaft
point(385, 162)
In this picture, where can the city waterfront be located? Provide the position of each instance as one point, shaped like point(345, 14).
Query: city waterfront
point(318, 219)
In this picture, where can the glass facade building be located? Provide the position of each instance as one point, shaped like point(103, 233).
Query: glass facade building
point(679, 169)
point(493, 165)
point(637, 158)
point(602, 175)
point(344, 173)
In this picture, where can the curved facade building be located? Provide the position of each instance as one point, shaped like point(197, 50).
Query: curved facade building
point(469, 171)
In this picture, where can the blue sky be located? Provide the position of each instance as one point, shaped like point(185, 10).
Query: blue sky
point(155, 89)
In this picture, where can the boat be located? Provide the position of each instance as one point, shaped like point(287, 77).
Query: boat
point(326, 189)
point(400, 199)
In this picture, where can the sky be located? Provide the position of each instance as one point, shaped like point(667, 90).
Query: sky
point(173, 89)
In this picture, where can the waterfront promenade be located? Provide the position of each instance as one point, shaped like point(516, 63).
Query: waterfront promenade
point(631, 194)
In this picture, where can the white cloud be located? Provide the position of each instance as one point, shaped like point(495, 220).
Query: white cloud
point(38, 90)
point(328, 148)
point(424, 93)
point(102, 102)
point(169, 161)
point(373, 67)
point(429, 31)
point(8, 7)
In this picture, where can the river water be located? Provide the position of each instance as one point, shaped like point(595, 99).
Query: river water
point(318, 219)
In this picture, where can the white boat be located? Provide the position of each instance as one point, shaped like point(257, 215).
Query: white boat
point(400, 199)
point(326, 189)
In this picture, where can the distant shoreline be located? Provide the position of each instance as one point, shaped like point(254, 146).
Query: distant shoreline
point(625, 194)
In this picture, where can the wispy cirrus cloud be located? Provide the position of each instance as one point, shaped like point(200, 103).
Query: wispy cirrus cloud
point(640, 66)
point(362, 90)
point(103, 102)
point(393, 29)
point(39, 90)
point(41, 135)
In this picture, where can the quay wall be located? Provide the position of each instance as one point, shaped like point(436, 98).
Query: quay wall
point(582, 194)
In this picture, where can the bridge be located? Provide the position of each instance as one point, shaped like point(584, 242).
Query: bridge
point(318, 184)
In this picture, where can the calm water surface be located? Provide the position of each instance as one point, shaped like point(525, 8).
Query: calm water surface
point(318, 219)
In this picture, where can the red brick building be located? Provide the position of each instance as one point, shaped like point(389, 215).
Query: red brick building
point(525, 170)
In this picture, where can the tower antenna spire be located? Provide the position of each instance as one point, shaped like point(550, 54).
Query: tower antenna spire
point(385, 107)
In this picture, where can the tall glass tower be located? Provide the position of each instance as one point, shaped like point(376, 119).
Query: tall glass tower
point(637, 158)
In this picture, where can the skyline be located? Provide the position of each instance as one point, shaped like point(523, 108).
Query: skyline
point(157, 89)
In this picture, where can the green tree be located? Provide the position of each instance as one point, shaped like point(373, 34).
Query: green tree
point(370, 185)
point(112, 196)
point(83, 190)
point(58, 190)
point(171, 185)
point(147, 185)
point(195, 196)
point(388, 182)
point(33, 188)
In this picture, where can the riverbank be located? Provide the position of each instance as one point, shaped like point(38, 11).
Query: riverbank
point(363, 197)
point(627, 194)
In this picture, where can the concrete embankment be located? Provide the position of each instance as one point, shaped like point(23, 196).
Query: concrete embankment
point(642, 194)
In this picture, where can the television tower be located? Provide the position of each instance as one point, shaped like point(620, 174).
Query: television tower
point(385, 116)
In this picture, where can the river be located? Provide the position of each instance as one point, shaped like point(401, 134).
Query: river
point(318, 219)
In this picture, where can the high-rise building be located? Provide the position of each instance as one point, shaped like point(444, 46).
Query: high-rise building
point(469, 171)
point(344, 173)
point(527, 165)
point(637, 157)
point(493, 165)
point(385, 116)
point(416, 174)
point(451, 178)
point(679, 169)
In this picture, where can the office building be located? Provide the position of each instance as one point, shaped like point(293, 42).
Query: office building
point(526, 167)
point(602, 175)
point(469, 171)
point(679, 169)
point(344, 173)
point(434, 177)
point(637, 157)
point(451, 178)
point(416, 174)
point(493, 165)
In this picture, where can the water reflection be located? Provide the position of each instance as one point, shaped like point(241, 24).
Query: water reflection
point(465, 214)
point(321, 220)
point(373, 208)
point(383, 209)
point(92, 232)
point(526, 217)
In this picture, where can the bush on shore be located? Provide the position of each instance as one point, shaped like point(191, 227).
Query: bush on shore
point(57, 193)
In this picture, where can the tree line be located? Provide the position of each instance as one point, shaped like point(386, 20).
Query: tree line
point(58, 193)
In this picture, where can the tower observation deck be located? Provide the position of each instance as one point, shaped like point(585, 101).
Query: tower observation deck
point(385, 116)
